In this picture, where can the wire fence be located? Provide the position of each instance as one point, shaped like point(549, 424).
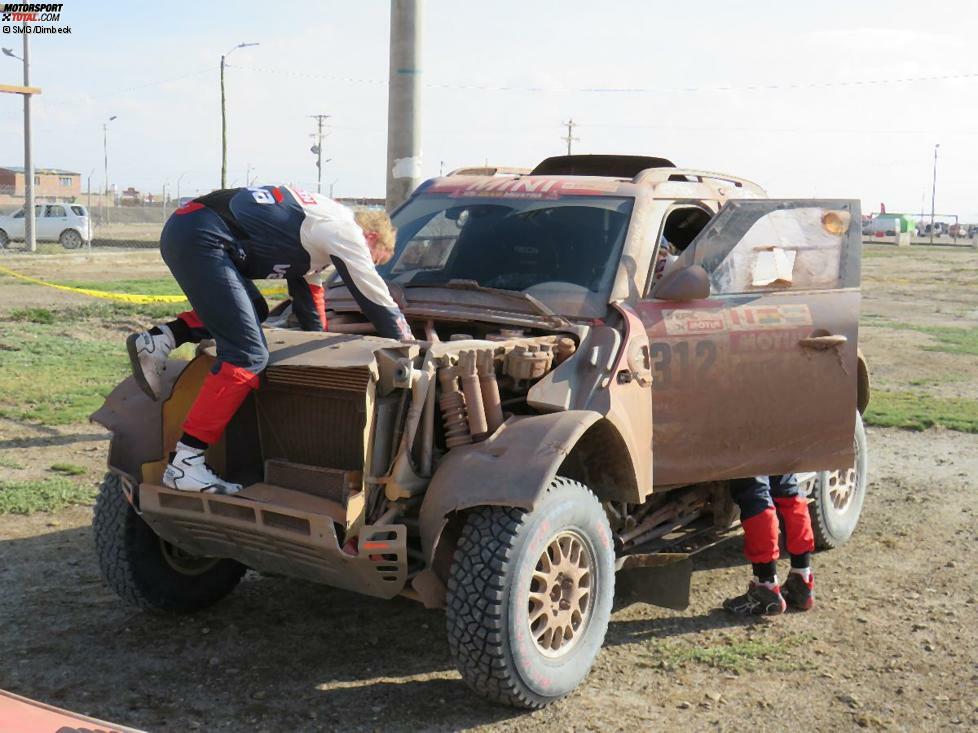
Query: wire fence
point(73, 220)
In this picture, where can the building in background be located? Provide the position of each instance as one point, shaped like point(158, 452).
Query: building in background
point(50, 184)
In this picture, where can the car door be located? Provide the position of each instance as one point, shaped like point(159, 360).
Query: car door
point(53, 222)
point(760, 377)
point(15, 225)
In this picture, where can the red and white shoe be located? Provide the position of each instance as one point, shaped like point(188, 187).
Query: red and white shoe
point(147, 355)
point(759, 600)
point(799, 593)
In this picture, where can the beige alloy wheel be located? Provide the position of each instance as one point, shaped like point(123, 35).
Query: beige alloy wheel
point(560, 597)
point(842, 487)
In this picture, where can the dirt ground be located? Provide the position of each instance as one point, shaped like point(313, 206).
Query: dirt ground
point(890, 646)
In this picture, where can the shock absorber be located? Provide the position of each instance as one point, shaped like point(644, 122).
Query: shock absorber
point(452, 405)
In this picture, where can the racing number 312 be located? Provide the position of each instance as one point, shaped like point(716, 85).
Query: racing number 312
point(674, 367)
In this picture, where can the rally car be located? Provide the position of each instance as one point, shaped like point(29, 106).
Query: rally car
point(604, 342)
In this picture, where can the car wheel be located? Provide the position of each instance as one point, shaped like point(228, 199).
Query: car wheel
point(147, 571)
point(4, 239)
point(70, 239)
point(529, 596)
point(837, 499)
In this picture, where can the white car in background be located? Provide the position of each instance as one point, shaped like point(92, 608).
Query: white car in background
point(65, 223)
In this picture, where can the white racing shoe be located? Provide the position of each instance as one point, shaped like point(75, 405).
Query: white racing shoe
point(187, 471)
point(148, 354)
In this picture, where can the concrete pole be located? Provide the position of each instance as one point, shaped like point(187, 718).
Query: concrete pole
point(30, 238)
point(404, 102)
point(224, 132)
point(933, 194)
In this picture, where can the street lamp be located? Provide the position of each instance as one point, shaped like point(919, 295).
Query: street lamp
point(30, 238)
point(179, 178)
point(933, 194)
point(224, 116)
point(105, 154)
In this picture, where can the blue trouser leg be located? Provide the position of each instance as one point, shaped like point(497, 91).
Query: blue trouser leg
point(193, 245)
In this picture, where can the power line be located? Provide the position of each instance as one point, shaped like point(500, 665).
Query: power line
point(825, 84)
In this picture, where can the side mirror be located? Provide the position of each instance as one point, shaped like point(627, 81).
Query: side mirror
point(689, 283)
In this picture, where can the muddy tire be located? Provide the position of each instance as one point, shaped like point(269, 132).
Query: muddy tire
point(4, 239)
point(837, 499)
point(529, 596)
point(146, 571)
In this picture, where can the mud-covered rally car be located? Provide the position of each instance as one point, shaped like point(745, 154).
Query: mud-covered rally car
point(570, 417)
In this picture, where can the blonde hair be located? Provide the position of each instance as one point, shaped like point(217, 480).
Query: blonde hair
point(371, 220)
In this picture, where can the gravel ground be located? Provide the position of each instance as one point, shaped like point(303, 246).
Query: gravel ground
point(889, 646)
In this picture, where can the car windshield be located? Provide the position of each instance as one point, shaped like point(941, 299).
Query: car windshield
point(562, 251)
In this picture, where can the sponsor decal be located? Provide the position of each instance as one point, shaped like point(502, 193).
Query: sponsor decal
point(521, 188)
point(262, 196)
point(306, 198)
point(688, 321)
point(762, 341)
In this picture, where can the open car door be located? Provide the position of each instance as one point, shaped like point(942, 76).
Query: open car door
point(760, 377)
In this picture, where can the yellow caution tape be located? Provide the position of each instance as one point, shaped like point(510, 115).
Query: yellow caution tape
point(121, 297)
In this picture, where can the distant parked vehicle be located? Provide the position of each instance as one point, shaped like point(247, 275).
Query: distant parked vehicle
point(65, 223)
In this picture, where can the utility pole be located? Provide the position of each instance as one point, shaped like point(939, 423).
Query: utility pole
point(105, 154)
point(27, 90)
point(933, 194)
point(318, 150)
point(30, 237)
point(224, 116)
point(570, 135)
point(404, 102)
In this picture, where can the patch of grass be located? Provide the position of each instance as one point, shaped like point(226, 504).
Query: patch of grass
point(68, 469)
point(98, 310)
point(915, 411)
point(32, 315)
point(47, 495)
point(55, 379)
point(950, 339)
point(143, 286)
point(734, 656)
point(10, 463)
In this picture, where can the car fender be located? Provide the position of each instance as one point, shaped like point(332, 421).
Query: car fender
point(136, 424)
point(513, 467)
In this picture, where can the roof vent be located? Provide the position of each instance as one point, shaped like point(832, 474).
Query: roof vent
point(616, 166)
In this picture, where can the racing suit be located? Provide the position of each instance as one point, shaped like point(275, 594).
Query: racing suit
point(761, 499)
point(218, 243)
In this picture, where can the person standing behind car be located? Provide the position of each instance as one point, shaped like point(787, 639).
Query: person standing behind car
point(762, 500)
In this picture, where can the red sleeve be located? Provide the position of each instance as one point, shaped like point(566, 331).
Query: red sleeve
point(319, 300)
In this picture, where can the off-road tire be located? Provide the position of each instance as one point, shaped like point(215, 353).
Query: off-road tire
point(488, 596)
point(831, 527)
point(130, 556)
point(4, 239)
point(70, 239)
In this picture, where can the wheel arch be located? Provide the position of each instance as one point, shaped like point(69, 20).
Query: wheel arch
point(515, 467)
point(136, 424)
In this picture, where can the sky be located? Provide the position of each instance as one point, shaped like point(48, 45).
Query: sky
point(829, 99)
